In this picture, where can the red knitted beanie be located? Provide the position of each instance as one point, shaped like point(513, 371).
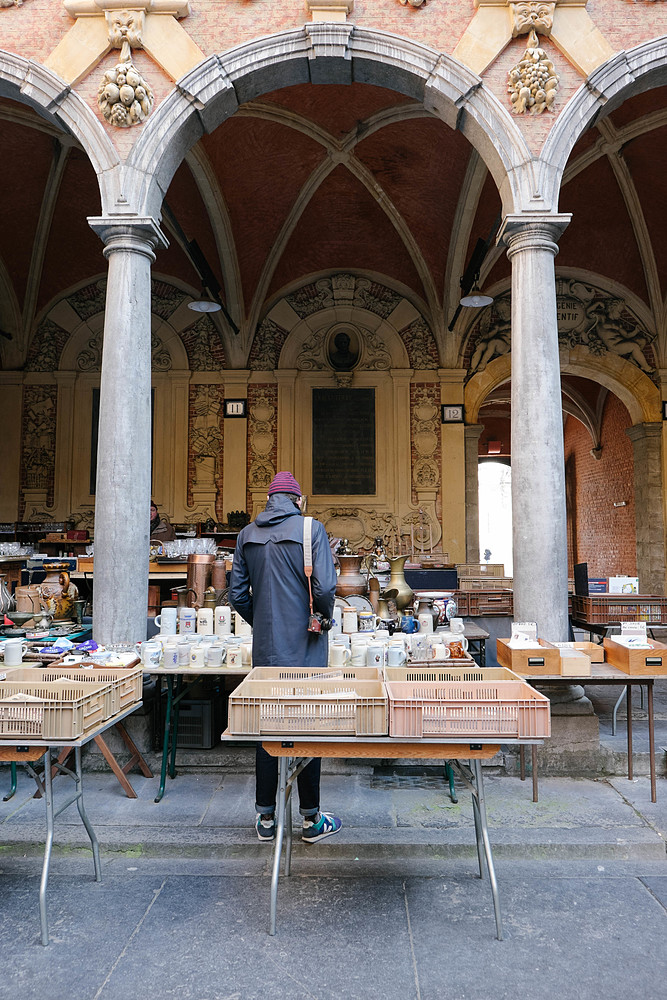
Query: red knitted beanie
point(284, 482)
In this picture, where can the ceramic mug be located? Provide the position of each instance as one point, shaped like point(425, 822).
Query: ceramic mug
point(437, 651)
point(184, 654)
point(408, 624)
point(198, 655)
point(375, 654)
point(339, 655)
point(366, 621)
point(234, 656)
point(14, 651)
point(166, 621)
point(215, 655)
point(395, 655)
point(241, 626)
point(150, 653)
point(455, 648)
point(350, 622)
point(205, 621)
point(187, 621)
point(223, 620)
point(170, 655)
point(425, 620)
point(449, 637)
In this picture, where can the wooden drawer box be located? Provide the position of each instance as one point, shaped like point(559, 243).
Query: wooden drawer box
point(637, 661)
point(529, 662)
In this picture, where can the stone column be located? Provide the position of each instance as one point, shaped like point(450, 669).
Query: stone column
point(473, 432)
point(538, 471)
point(123, 489)
point(650, 526)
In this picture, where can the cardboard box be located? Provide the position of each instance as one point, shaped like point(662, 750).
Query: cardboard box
point(529, 662)
point(651, 661)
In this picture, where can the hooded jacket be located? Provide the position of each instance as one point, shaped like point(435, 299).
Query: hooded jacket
point(268, 586)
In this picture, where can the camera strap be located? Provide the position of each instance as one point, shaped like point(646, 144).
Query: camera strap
point(308, 555)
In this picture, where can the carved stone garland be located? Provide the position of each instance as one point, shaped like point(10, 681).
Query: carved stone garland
point(533, 83)
point(262, 438)
point(124, 97)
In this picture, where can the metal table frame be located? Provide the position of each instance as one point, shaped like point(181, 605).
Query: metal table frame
point(184, 677)
point(296, 753)
point(605, 673)
point(27, 751)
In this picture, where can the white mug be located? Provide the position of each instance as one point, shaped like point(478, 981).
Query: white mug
point(150, 653)
point(205, 621)
point(241, 626)
point(246, 654)
point(375, 654)
point(456, 625)
point(170, 655)
point(187, 621)
point(215, 655)
point(197, 655)
point(425, 622)
point(234, 656)
point(366, 621)
point(14, 650)
point(437, 651)
point(166, 621)
point(395, 655)
point(339, 655)
point(358, 655)
point(184, 654)
point(350, 620)
point(223, 619)
point(448, 637)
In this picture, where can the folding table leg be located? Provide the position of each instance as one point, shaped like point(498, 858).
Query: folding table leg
point(12, 778)
point(278, 846)
point(477, 769)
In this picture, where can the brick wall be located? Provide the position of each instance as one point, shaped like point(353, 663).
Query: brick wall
point(599, 533)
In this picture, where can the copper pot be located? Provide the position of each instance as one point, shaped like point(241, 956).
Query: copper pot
point(351, 579)
point(199, 575)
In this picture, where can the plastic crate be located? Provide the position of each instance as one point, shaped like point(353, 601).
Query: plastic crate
point(418, 673)
point(488, 603)
point(480, 569)
point(468, 709)
point(59, 710)
point(307, 705)
point(607, 609)
point(126, 685)
point(347, 673)
point(486, 583)
point(461, 598)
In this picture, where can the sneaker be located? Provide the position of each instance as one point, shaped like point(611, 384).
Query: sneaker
point(325, 825)
point(266, 827)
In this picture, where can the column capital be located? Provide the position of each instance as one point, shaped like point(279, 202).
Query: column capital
point(136, 235)
point(538, 231)
point(473, 432)
point(236, 379)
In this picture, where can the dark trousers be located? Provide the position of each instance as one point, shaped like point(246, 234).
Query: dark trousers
point(266, 784)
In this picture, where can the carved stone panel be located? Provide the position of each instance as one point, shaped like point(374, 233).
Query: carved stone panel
point(203, 346)
point(262, 437)
point(38, 448)
point(425, 427)
point(420, 345)
point(46, 347)
point(205, 439)
point(266, 346)
point(533, 82)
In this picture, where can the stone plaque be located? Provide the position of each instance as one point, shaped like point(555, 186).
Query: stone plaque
point(344, 441)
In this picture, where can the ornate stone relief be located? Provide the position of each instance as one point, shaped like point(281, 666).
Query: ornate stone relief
point(262, 436)
point(205, 352)
point(38, 451)
point(358, 525)
point(46, 347)
point(587, 316)
point(343, 289)
point(420, 345)
point(89, 300)
point(205, 437)
point(267, 345)
point(90, 358)
point(533, 82)
point(319, 351)
point(528, 15)
point(165, 298)
point(425, 437)
point(124, 97)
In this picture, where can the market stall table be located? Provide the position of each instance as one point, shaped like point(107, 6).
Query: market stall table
point(604, 673)
point(184, 676)
point(297, 751)
point(28, 750)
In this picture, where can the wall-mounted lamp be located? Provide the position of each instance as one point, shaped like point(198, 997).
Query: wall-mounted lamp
point(204, 304)
point(476, 299)
point(620, 503)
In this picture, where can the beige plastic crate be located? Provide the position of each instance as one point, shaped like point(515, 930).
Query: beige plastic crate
point(480, 569)
point(467, 709)
point(125, 685)
point(314, 673)
point(50, 709)
point(308, 706)
point(486, 583)
point(419, 672)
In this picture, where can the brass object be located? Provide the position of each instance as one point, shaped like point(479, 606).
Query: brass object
point(351, 579)
point(404, 594)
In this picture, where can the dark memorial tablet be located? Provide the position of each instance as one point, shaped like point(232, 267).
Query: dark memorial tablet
point(344, 441)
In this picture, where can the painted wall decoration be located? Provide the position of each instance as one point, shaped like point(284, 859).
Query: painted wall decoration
point(588, 316)
point(262, 437)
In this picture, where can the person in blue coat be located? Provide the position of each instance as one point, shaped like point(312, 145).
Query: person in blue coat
point(269, 588)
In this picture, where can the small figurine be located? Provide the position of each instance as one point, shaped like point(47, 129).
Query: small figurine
point(60, 601)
